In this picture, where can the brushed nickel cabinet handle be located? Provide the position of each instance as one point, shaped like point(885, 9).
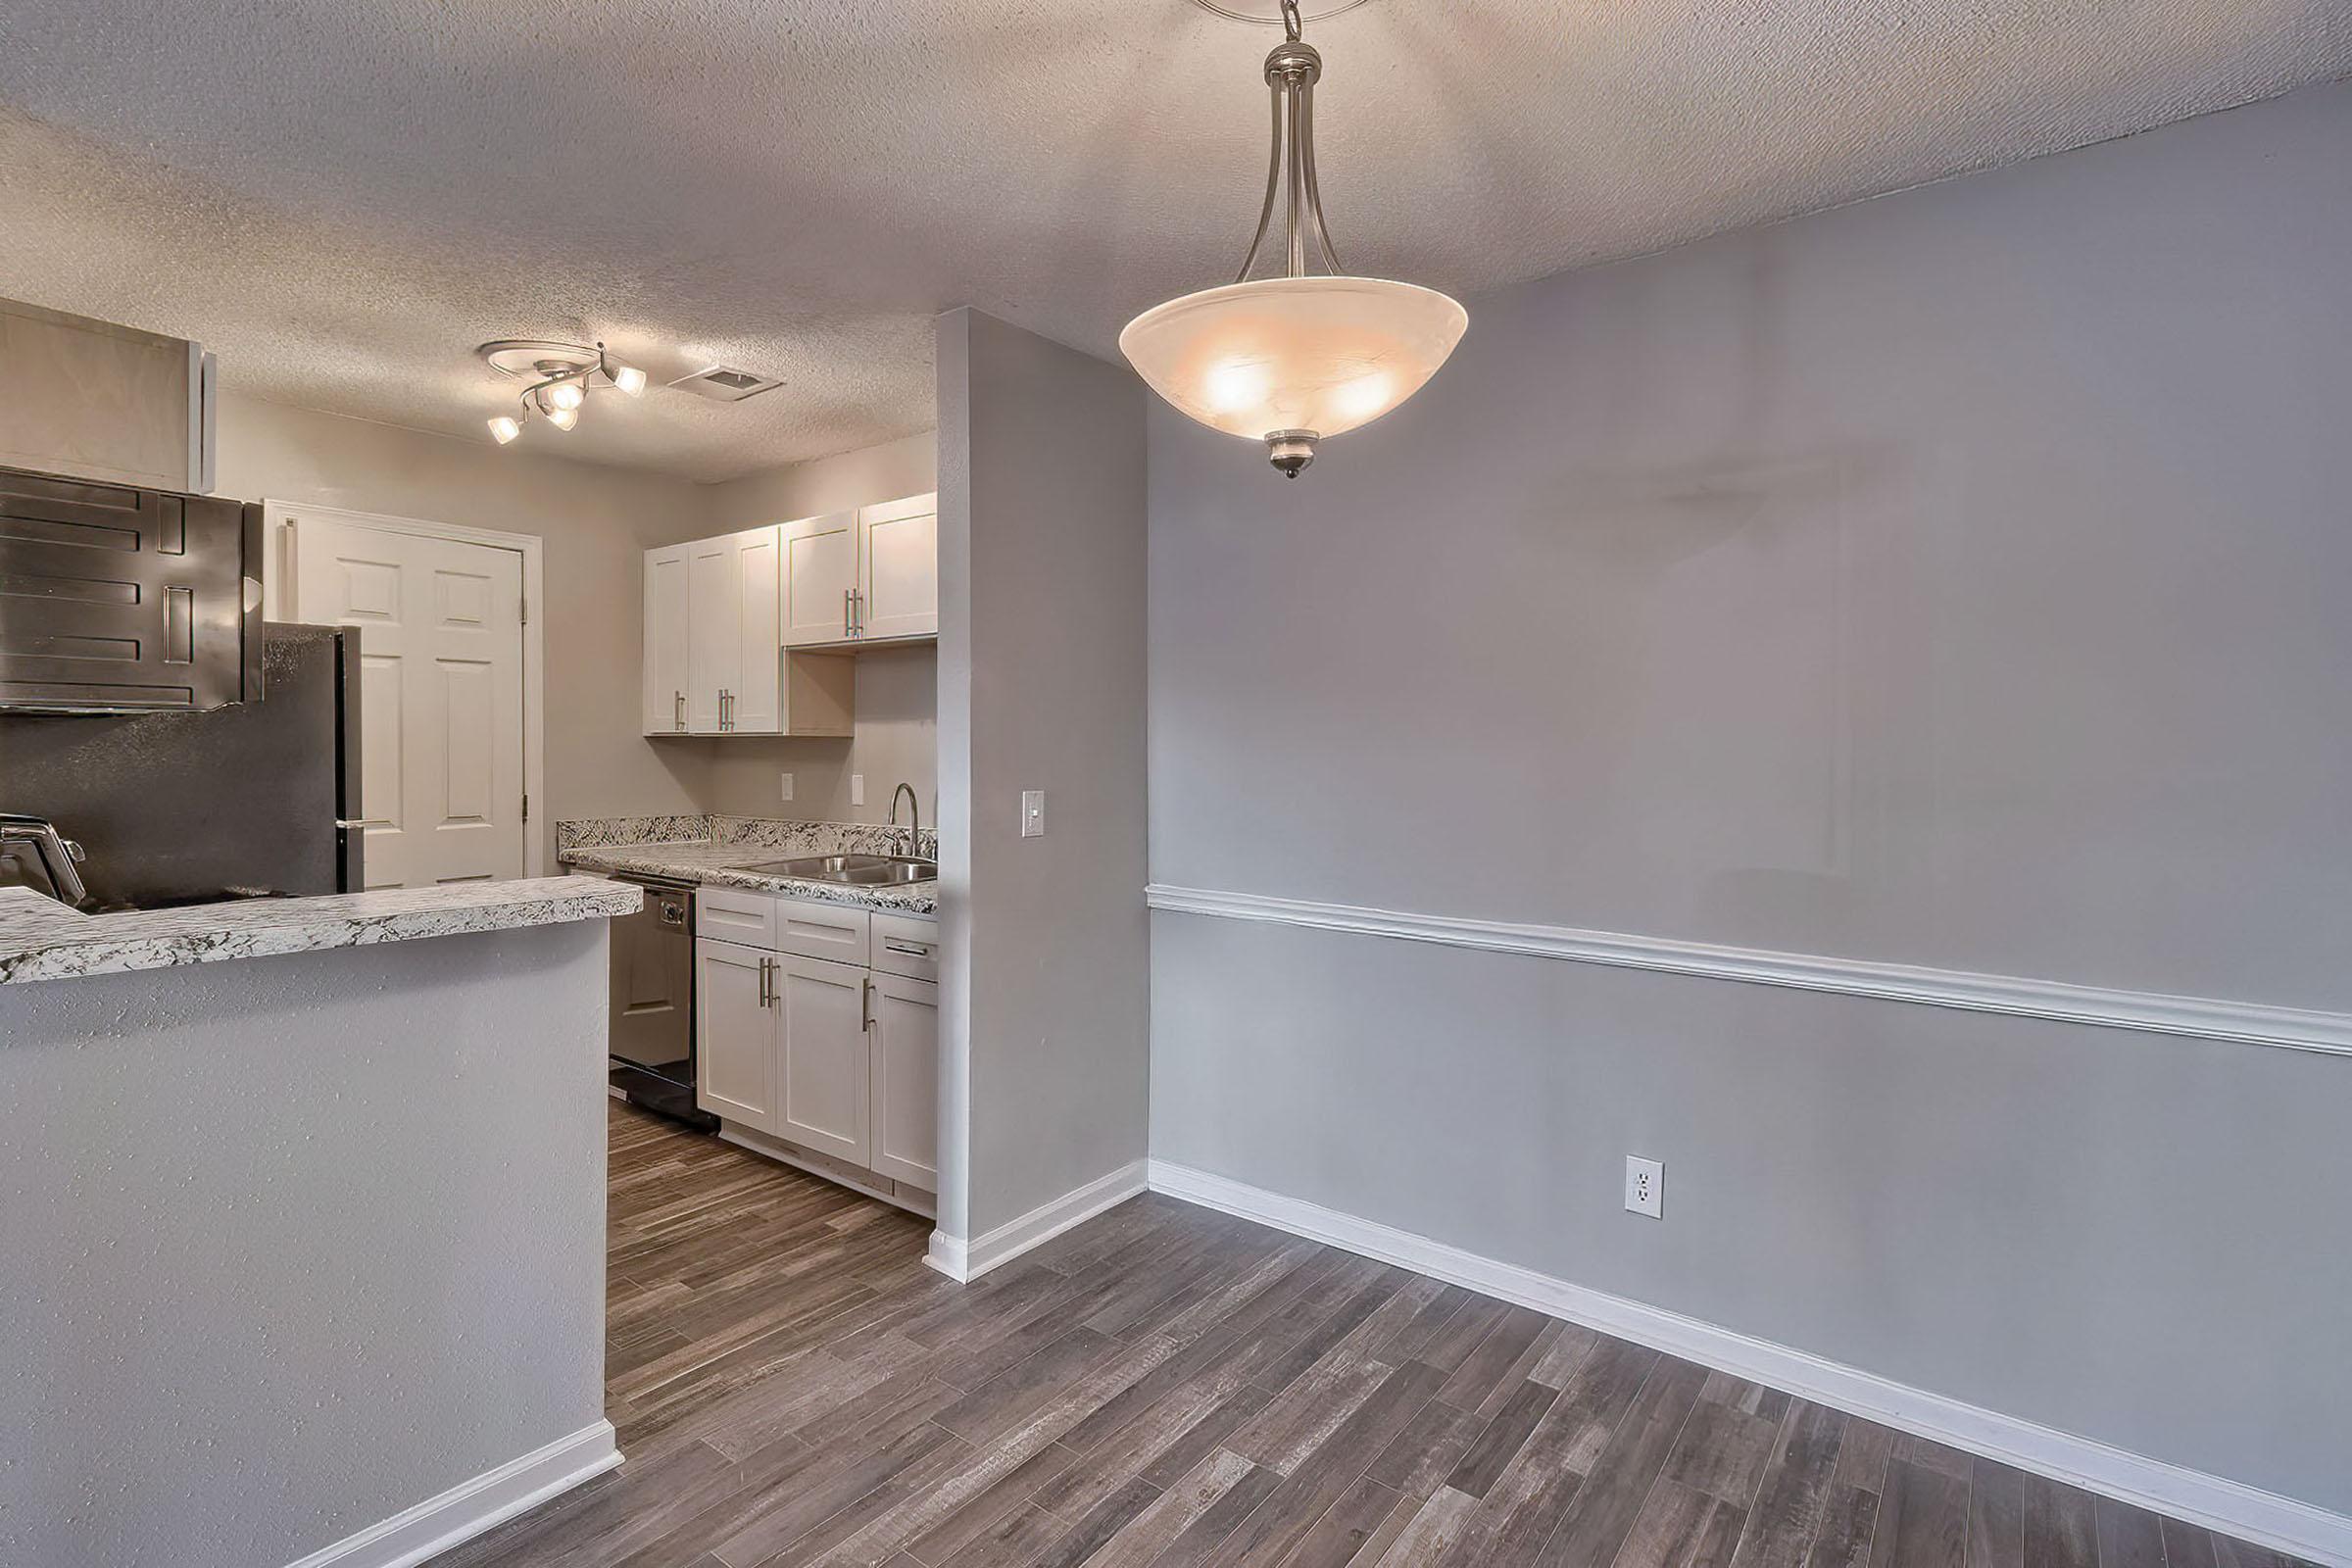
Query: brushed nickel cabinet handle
point(849, 599)
point(866, 1005)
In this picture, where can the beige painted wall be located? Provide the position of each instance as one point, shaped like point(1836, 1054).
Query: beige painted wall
point(595, 523)
point(898, 689)
point(906, 466)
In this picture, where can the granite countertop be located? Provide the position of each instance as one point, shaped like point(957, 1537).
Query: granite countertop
point(41, 939)
point(704, 863)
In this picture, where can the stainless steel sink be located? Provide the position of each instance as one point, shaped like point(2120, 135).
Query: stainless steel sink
point(851, 871)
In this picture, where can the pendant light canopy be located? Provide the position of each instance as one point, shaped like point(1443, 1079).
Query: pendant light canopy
point(1294, 359)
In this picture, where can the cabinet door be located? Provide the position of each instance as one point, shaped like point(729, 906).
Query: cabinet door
point(820, 573)
point(821, 1068)
point(734, 1035)
point(755, 702)
point(668, 666)
point(903, 1073)
point(713, 617)
point(897, 569)
point(124, 601)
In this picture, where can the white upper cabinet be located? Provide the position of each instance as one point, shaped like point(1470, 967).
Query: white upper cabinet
point(864, 576)
point(668, 667)
point(714, 625)
point(820, 579)
point(754, 697)
point(715, 660)
point(897, 569)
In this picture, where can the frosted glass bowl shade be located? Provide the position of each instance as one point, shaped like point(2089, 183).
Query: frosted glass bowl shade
point(1319, 354)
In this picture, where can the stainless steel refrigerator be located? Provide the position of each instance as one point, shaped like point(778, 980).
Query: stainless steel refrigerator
point(253, 800)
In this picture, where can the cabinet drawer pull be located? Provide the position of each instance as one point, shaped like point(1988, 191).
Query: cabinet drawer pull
point(913, 949)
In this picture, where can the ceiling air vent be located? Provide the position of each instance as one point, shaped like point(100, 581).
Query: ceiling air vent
point(723, 383)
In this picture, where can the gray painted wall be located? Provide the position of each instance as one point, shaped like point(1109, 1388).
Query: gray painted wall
point(295, 1242)
point(1042, 652)
point(1953, 579)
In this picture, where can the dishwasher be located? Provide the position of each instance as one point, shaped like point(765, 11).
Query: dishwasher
point(650, 1047)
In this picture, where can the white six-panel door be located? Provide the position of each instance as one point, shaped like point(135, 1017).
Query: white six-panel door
point(441, 689)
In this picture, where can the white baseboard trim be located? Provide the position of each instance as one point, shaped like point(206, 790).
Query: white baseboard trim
point(960, 1260)
point(2153, 1013)
point(2228, 1506)
point(470, 1507)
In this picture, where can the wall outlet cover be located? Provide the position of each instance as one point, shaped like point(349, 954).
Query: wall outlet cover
point(1033, 813)
point(1645, 1186)
point(787, 786)
point(856, 789)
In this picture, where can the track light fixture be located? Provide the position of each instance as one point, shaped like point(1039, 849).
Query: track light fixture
point(560, 377)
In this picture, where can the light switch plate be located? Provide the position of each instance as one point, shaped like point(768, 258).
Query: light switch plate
point(1033, 813)
point(787, 778)
point(856, 789)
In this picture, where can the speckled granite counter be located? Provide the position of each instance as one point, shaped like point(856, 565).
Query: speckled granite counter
point(716, 849)
point(41, 939)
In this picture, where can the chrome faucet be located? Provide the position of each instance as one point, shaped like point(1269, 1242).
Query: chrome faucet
point(55, 854)
point(914, 817)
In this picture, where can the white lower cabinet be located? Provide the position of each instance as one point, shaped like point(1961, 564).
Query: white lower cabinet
point(734, 1033)
point(833, 1056)
point(822, 1076)
point(904, 1062)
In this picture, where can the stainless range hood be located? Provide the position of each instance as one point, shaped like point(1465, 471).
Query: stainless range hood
point(115, 600)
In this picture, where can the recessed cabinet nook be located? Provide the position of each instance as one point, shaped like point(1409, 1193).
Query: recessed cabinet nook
point(751, 633)
point(817, 1027)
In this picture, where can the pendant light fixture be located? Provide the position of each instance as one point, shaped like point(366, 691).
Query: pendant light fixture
point(560, 377)
point(1290, 360)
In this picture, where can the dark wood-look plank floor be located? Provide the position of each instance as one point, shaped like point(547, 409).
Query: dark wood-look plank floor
point(1169, 1386)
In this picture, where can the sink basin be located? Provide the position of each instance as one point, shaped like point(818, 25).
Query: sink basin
point(851, 871)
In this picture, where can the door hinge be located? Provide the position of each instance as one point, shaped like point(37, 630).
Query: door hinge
point(526, 808)
point(524, 615)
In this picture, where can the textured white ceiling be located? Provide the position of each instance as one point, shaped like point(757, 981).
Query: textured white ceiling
point(342, 199)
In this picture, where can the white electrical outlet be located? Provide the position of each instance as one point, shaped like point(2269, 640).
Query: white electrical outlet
point(787, 778)
point(1645, 1186)
point(856, 789)
point(1033, 813)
